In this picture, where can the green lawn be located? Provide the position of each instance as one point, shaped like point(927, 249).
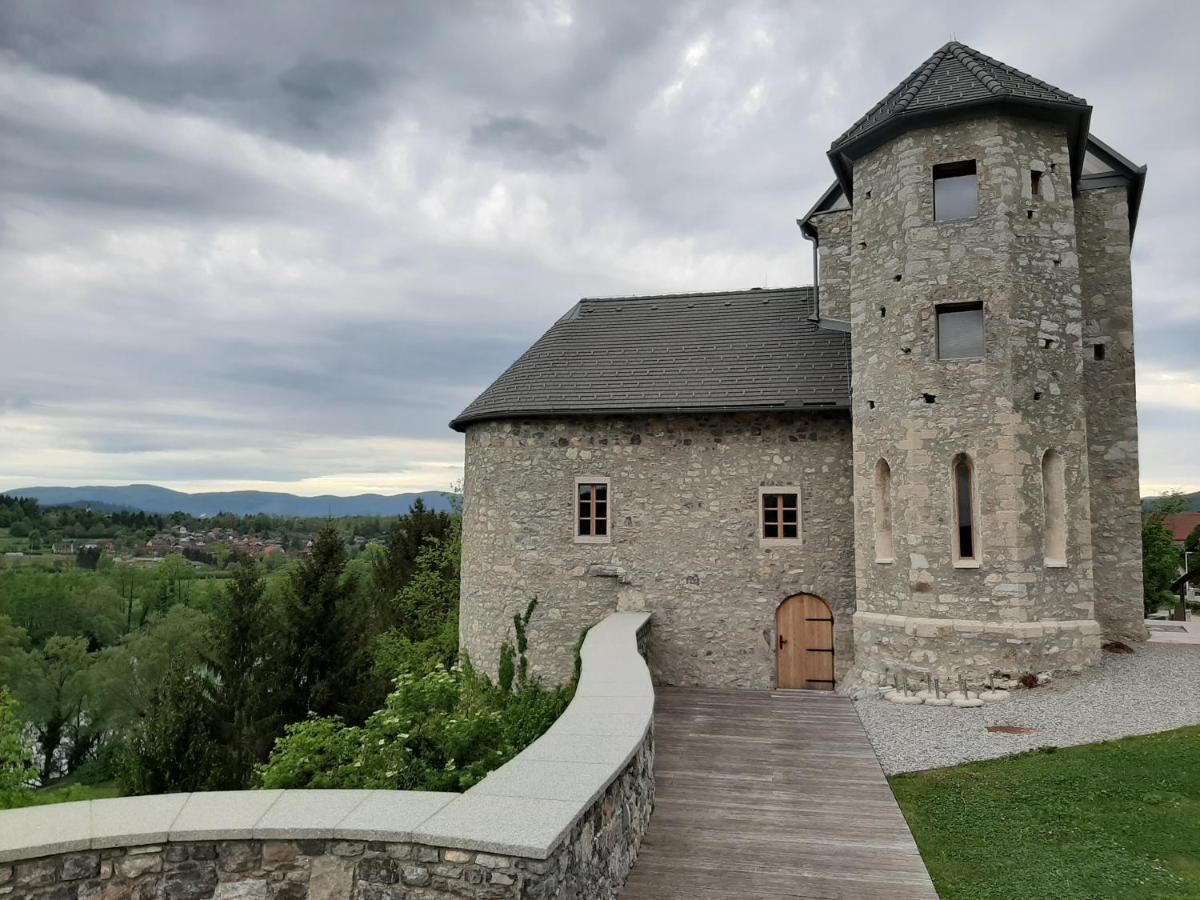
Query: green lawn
point(1117, 819)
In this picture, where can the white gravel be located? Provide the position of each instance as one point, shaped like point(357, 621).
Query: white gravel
point(1157, 688)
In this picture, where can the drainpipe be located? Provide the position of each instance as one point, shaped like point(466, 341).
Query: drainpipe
point(810, 234)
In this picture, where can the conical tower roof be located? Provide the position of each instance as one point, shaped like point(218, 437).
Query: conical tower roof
point(958, 80)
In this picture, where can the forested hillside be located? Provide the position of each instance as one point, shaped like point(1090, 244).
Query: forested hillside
point(338, 667)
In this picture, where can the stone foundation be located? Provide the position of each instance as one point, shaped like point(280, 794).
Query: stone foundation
point(949, 648)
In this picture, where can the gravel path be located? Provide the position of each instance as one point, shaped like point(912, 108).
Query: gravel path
point(1155, 689)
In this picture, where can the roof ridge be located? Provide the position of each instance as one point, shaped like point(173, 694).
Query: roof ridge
point(1013, 70)
point(919, 77)
point(686, 294)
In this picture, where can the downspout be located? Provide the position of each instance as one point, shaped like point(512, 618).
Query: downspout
point(810, 234)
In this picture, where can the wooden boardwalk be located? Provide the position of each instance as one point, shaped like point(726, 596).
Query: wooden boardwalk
point(770, 794)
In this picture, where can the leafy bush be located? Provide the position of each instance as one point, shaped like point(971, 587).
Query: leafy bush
point(439, 730)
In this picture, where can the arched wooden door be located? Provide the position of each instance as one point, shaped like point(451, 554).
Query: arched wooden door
point(804, 643)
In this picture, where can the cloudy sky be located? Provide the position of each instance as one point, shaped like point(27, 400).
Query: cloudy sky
point(280, 245)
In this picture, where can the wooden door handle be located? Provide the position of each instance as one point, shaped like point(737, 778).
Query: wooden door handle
point(782, 641)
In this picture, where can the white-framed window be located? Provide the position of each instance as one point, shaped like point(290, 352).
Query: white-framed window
point(779, 511)
point(593, 509)
point(966, 513)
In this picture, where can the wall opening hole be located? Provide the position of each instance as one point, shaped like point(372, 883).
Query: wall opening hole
point(1035, 183)
point(1058, 260)
point(929, 398)
point(883, 312)
point(862, 245)
point(868, 195)
point(1029, 213)
point(870, 404)
point(1052, 166)
point(1037, 395)
point(1098, 351)
point(1048, 343)
point(906, 350)
point(897, 277)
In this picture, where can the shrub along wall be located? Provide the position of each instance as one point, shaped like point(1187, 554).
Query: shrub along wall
point(564, 818)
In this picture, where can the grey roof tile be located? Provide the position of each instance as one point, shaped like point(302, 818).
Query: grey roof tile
point(956, 75)
point(741, 350)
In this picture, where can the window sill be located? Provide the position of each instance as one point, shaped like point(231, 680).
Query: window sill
point(779, 543)
point(966, 564)
point(1055, 563)
point(885, 562)
point(580, 539)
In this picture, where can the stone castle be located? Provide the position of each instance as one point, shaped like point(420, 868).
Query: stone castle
point(925, 463)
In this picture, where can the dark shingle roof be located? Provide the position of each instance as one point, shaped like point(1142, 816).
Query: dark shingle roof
point(954, 76)
point(742, 350)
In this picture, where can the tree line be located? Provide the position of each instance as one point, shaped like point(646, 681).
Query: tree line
point(285, 678)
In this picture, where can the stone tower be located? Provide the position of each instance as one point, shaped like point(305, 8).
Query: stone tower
point(955, 249)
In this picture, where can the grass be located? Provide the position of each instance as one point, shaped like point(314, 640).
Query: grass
point(1116, 819)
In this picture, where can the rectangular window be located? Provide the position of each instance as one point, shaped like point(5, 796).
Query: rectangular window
point(960, 331)
point(955, 191)
point(779, 513)
point(591, 509)
point(1035, 183)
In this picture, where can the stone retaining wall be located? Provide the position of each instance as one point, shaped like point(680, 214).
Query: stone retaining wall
point(563, 819)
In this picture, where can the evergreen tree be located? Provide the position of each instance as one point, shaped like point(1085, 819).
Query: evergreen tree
point(246, 718)
point(325, 646)
point(394, 567)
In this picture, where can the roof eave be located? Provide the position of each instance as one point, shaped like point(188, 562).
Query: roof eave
point(1075, 116)
point(460, 424)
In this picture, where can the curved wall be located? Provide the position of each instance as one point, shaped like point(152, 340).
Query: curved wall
point(565, 817)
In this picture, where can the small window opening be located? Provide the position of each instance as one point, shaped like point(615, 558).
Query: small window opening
point(1048, 343)
point(964, 509)
point(884, 551)
point(929, 398)
point(1058, 260)
point(1098, 351)
point(960, 331)
point(883, 312)
point(897, 277)
point(781, 515)
point(955, 191)
point(870, 404)
point(1035, 183)
point(1029, 213)
point(1037, 395)
point(1054, 508)
point(591, 510)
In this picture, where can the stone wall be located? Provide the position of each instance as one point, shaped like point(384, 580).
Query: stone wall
point(1017, 255)
point(591, 863)
point(685, 537)
point(833, 262)
point(1102, 228)
point(562, 819)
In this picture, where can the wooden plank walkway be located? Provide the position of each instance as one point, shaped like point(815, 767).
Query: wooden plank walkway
point(771, 794)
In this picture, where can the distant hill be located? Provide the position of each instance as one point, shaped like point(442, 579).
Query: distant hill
point(154, 499)
point(1193, 500)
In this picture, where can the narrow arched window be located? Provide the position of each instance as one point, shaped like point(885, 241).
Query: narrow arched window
point(884, 551)
point(1054, 508)
point(966, 539)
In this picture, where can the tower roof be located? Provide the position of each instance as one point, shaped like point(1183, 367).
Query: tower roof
point(959, 80)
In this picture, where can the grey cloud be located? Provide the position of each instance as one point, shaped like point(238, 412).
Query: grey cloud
point(525, 143)
point(210, 307)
